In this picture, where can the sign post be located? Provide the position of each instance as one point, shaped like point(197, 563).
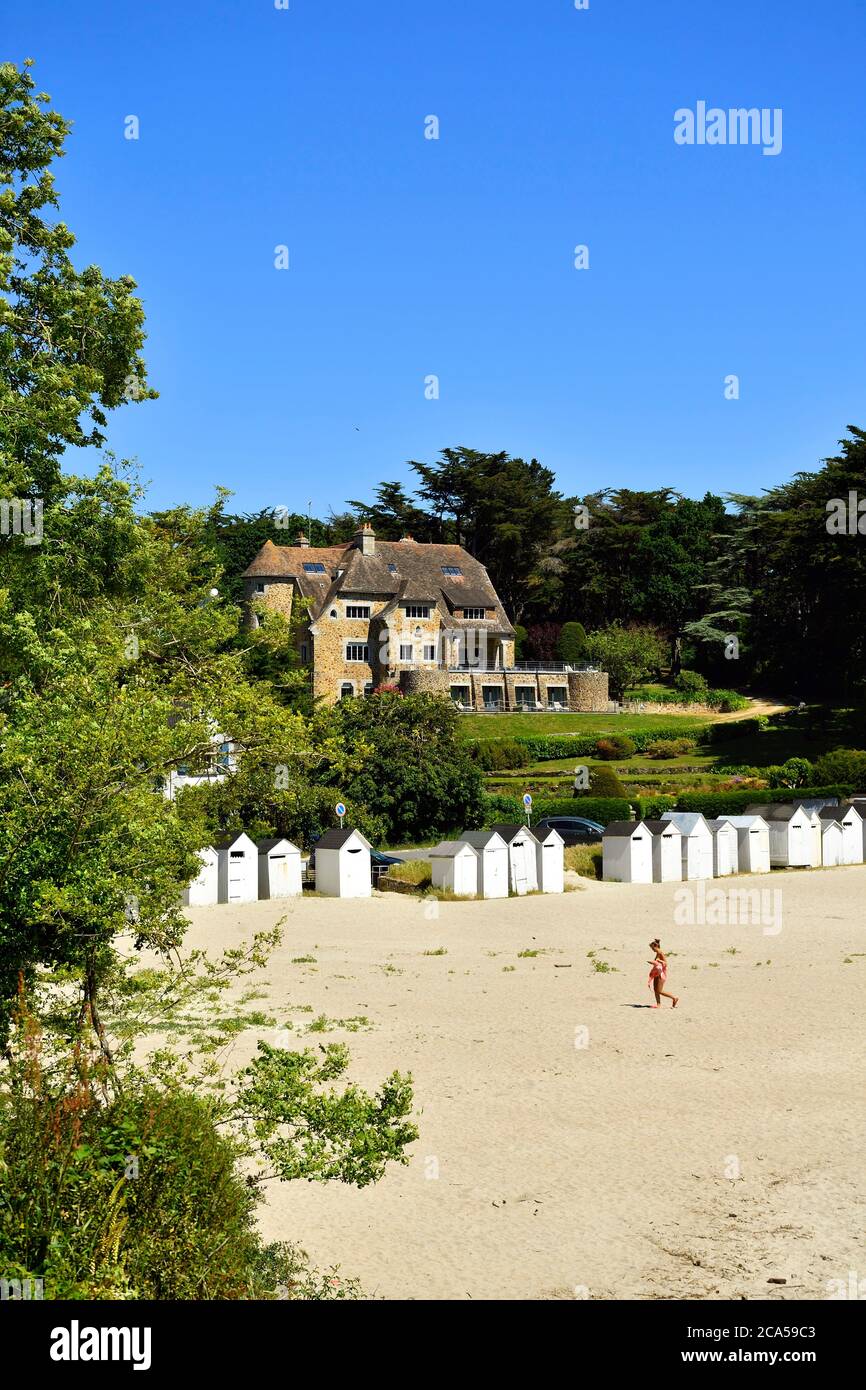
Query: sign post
point(527, 802)
point(341, 811)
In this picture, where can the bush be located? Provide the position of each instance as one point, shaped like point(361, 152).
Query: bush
point(545, 747)
point(669, 748)
point(615, 747)
point(691, 683)
point(731, 803)
point(509, 810)
point(726, 701)
point(603, 781)
point(138, 1198)
point(843, 765)
point(498, 754)
point(571, 647)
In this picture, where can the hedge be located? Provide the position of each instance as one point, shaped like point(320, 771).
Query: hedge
point(713, 804)
point(545, 748)
point(510, 809)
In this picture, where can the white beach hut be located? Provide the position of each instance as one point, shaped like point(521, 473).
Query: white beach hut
point(454, 866)
point(492, 862)
point(204, 890)
point(279, 869)
point(343, 866)
point(791, 834)
point(753, 843)
point(726, 850)
point(667, 851)
point(852, 825)
point(522, 866)
point(627, 852)
point(697, 843)
point(832, 846)
point(237, 869)
point(813, 811)
point(549, 860)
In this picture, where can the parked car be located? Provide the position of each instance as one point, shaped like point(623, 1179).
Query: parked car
point(575, 830)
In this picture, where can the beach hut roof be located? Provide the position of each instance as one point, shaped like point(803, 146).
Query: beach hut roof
point(335, 839)
point(687, 821)
point(265, 846)
point(481, 839)
point(511, 832)
point(626, 828)
point(742, 822)
point(448, 849)
point(660, 827)
point(776, 810)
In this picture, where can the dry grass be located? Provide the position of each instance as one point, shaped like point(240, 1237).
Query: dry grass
point(585, 860)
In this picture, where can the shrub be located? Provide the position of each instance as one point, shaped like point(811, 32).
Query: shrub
point(691, 683)
point(498, 754)
point(603, 781)
point(669, 748)
point(731, 803)
point(140, 1198)
point(544, 747)
point(615, 747)
point(726, 701)
point(842, 765)
point(571, 647)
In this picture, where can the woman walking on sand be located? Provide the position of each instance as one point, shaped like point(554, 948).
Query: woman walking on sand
point(658, 976)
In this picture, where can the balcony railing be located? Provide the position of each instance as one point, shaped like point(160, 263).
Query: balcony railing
point(540, 668)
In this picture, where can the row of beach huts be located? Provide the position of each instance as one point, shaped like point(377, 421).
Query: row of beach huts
point(481, 864)
point(684, 845)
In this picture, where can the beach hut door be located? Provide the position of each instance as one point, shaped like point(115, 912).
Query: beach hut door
point(236, 874)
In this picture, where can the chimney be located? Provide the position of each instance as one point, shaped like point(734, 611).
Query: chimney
point(301, 540)
point(365, 539)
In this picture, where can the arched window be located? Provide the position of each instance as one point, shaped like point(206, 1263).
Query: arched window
point(347, 690)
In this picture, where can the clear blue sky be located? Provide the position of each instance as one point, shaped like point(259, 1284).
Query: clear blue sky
point(454, 257)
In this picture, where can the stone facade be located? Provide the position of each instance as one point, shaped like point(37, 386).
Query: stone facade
point(429, 620)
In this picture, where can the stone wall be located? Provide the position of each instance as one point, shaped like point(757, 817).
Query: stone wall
point(588, 691)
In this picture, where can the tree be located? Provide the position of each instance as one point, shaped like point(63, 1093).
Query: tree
point(628, 654)
point(70, 340)
point(412, 765)
point(571, 646)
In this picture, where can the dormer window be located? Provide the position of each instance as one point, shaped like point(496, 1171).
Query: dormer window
point(314, 567)
point(392, 569)
point(477, 613)
point(417, 610)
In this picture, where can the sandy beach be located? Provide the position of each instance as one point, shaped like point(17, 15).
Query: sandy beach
point(573, 1142)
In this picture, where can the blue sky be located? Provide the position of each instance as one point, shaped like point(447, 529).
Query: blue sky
point(412, 257)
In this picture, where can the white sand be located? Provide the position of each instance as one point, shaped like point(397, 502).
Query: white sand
point(604, 1171)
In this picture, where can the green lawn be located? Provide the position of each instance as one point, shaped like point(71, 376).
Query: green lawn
point(480, 726)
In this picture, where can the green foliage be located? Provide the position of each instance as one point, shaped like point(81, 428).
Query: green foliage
point(721, 803)
point(628, 654)
point(495, 755)
point(603, 782)
point(690, 683)
point(669, 748)
point(553, 747)
point(410, 764)
point(615, 747)
point(141, 1196)
point(572, 645)
point(70, 340)
point(843, 765)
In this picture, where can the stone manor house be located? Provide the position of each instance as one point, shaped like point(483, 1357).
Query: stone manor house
point(418, 616)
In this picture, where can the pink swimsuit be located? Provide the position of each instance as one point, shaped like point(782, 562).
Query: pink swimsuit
point(659, 971)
